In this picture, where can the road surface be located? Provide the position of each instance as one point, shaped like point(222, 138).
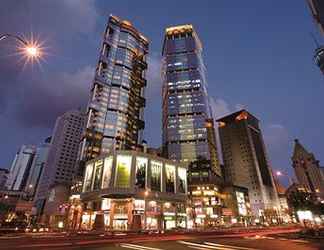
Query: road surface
point(198, 241)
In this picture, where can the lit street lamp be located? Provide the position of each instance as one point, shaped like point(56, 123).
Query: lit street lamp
point(280, 173)
point(29, 49)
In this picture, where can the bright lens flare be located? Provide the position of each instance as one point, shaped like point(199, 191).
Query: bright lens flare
point(32, 51)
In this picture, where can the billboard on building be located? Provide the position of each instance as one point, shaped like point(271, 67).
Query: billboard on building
point(123, 171)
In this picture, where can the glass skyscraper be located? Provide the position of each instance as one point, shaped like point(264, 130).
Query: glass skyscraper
point(115, 110)
point(188, 129)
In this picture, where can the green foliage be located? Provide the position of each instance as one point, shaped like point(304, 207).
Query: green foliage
point(4, 208)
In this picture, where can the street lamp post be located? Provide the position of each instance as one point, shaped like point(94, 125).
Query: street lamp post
point(281, 173)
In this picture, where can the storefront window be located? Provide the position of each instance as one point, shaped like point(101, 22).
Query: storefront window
point(169, 223)
point(151, 223)
point(85, 222)
point(97, 174)
point(181, 221)
point(139, 205)
point(156, 173)
point(123, 171)
point(105, 204)
point(88, 178)
point(107, 172)
point(170, 178)
point(107, 220)
point(153, 207)
point(182, 172)
point(141, 166)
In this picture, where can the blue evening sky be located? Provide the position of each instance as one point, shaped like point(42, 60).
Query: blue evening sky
point(258, 55)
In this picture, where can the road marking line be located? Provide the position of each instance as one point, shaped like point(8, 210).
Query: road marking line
point(132, 246)
point(199, 248)
point(301, 241)
point(136, 248)
point(234, 247)
point(203, 246)
point(46, 245)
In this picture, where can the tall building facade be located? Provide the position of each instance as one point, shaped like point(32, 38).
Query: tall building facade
point(317, 10)
point(188, 129)
point(37, 168)
point(20, 168)
point(61, 161)
point(307, 170)
point(115, 109)
point(245, 160)
point(185, 104)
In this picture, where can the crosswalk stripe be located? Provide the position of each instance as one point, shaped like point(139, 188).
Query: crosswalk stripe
point(199, 248)
point(233, 247)
point(204, 246)
point(138, 247)
point(131, 247)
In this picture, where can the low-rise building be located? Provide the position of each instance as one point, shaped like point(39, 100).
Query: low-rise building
point(131, 190)
point(204, 194)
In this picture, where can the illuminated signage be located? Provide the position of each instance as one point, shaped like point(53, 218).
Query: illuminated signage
point(123, 171)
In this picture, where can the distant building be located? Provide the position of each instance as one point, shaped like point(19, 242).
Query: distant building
point(307, 170)
point(4, 174)
point(317, 10)
point(132, 190)
point(20, 168)
point(60, 165)
point(245, 160)
point(322, 172)
point(37, 168)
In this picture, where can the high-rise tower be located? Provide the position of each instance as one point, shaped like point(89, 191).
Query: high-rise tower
point(20, 168)
point(245, 159)
point(115, 109)
point(317, 10)
point(188, 130)
point(59, 167)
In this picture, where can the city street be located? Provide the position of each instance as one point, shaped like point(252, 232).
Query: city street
point(236, 241)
